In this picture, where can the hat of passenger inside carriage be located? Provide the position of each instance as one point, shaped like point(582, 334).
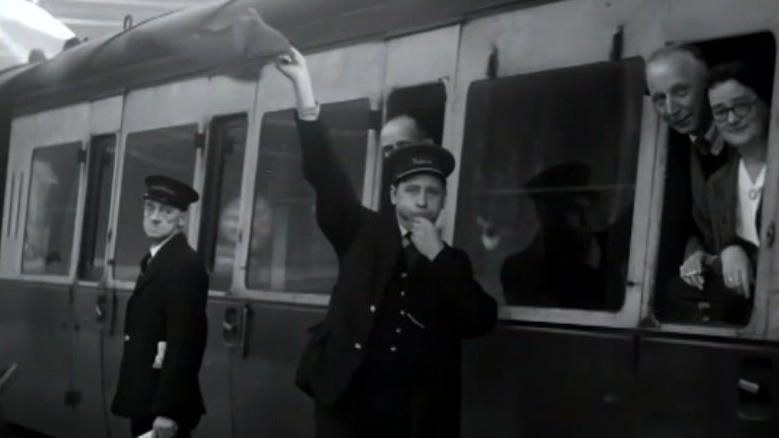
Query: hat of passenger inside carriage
point(566, 179)
point(169, 191)
point(417, 158)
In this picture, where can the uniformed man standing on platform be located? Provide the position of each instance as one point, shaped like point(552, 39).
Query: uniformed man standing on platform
point(385, 362)
point(165, 323)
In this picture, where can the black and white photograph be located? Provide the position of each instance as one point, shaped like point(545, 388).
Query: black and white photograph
point(389, 219)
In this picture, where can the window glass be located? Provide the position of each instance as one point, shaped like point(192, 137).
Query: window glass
point(701, 202)
point(221, 201)
point(167, 151)
point(288, 252)
point(51, 210)
point(547, 184)
point(98, 203)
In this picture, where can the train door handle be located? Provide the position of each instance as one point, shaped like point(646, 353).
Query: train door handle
point(235, 328)
point(755, 398)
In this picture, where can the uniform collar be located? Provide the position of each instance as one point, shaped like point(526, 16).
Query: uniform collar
point(156, 248)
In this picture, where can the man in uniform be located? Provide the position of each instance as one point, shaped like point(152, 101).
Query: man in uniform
point(385, 362)
point(165, 322)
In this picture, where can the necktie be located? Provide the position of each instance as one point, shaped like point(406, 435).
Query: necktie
point(145, 262)
point(411, 252)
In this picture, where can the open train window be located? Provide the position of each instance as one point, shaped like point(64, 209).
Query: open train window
point(166, 151)
point(100, 176)
point(222, 197)
point(548, 174)
point(703, 213)
point(287, 251)
point(413, 114)
point(51, 209)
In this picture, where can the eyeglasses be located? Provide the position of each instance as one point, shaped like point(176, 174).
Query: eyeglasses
point(740, 109)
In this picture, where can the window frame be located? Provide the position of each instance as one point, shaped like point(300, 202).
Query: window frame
point(341, 83)
point(203, 220)
point(489, 37)
point(83, 213)
point(24, 206)
point(760, 325)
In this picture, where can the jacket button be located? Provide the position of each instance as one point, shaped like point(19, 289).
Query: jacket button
point(403, 275)
point(373, 308)
point(126, 338)
point(402, 293)
point(393, 349)
point(357, 346)
point(398, 330)
point(402, 312)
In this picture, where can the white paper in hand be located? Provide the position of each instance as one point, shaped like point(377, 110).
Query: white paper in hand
point(149, 434)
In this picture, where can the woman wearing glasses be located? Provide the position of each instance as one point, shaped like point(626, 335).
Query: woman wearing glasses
point(740, 102)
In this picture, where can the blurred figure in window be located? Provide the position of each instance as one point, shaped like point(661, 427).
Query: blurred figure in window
point(740, 101)
point(229, 228)
point(563, 266)
point(402, 129)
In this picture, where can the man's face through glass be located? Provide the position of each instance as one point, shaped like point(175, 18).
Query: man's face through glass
point(161, 220)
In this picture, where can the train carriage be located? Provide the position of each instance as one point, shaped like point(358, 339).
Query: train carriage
point(511, 87)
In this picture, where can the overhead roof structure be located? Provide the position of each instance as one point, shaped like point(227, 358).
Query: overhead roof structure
point(223, 36)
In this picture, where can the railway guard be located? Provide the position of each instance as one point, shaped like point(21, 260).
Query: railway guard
point(385, 362)
point(165, 322)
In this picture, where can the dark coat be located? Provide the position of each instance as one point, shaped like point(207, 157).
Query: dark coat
point(368, 245)
point(168, 304)
point(722, 199)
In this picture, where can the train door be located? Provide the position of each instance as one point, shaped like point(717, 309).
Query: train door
point(705, 368)
point(547, 130)
point(286, 264)
point(163, 132)
point(229, 105)
point(38, 268)
point(90, 296)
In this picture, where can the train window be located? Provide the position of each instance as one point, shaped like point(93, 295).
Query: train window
point(288, 252)
point(698, 174)
point(413, 114)
point(98, 202)
point(166, 151)
point(221, 200)
point(547, 184)
point(51, 209)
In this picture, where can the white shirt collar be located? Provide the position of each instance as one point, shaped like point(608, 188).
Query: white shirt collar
point(156, 248)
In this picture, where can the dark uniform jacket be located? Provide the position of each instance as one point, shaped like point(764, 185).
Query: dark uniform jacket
point(168, 304)
point(448, 301)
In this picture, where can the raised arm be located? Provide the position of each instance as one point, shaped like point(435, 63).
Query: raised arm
point(338, 210)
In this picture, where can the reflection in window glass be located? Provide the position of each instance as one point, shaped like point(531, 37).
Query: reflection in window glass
point(222, 202)
point(51, 210)
point(167, 151)
point(548, 176)
point(288, 252)
point(98, 203)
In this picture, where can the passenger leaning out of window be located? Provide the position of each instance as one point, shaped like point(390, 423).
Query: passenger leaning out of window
point(740, 101)
point(676, 78)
